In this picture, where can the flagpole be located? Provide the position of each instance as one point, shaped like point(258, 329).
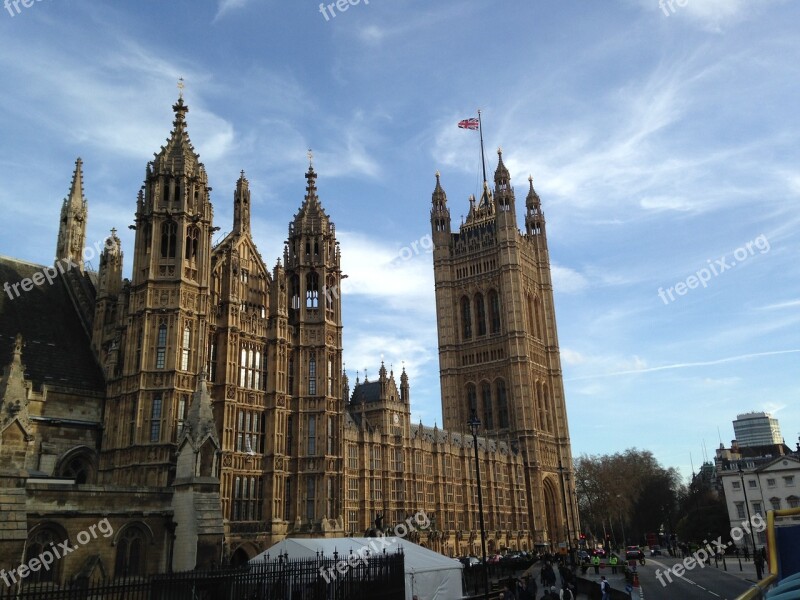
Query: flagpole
point(483, 160)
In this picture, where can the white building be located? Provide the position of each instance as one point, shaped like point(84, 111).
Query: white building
point(769, 485)
point(757, 429)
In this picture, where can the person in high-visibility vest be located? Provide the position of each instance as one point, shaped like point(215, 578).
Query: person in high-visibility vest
point(613, 562)
point(596, 564)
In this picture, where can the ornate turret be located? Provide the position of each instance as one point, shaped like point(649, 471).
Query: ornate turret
point(241, 206)
point(504, 195)
point(534, 218)
point(109, 277)
point(405, 395)
point(440, 214)
point(72, 227)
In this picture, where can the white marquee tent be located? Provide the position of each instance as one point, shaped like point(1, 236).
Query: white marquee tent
point(429, 575)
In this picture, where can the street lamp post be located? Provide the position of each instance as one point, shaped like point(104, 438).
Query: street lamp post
point(474, 424)
point(564, 498)
point(747, 506)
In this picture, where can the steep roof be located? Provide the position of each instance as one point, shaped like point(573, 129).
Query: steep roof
point(56, 349)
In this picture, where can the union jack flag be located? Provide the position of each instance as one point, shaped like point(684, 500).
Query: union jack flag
point(469, 123)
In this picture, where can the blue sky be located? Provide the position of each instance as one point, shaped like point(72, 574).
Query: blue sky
point(660, 141)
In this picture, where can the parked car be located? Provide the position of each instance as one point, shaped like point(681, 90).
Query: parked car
point(633, 553)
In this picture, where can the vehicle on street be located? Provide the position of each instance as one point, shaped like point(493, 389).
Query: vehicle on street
point(655, 551)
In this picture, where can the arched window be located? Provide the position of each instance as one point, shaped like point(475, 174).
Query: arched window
point(494, 311)
point(243, 368)
point(539, 319)
point(161, 346)
point(130, 553)
point(312, 290)
point(312, 376)
point(294, 290)
point(192, 237)
point(169, 230)
point(187, 335)
point(472, 399)
point(551, 409)
point(532, 324)
point(480, 314)
point(502, 404)
point(44, 538)
point(486, 396)
point(155, 418)
point(77, 465)
point(331, 293)
point(466, 319)
point(330, 376)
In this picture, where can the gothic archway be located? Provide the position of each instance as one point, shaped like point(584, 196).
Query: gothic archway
point(554, 532)
point(240, 556)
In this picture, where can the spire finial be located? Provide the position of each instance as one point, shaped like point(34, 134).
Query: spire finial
point(180, 87)
point(310, 155)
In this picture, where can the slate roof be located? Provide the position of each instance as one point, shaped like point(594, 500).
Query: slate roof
point(56, 350)
point(367, 392)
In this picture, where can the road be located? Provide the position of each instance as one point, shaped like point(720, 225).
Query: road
point(708, 583)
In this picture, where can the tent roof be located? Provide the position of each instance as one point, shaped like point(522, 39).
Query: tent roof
point(417, 558)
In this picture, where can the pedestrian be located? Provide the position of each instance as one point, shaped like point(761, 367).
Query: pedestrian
point(605, 588)
point(758, 559)
point(746, 553)
point(613, 562)
point(566, 593)
point(596, 564)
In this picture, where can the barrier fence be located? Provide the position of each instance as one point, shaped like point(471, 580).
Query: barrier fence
point(277, 579)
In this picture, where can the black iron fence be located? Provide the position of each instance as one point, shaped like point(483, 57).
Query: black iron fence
point(346, 578)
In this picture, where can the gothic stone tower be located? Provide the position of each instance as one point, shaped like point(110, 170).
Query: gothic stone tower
point(498, 345)
point(313, 488)
point(163, 341)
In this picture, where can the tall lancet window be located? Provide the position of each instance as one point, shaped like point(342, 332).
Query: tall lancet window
point(187, 335)
point(312, 376)
point(169, 231)
point(312, 290)
point(494, 311)
point(466, 319)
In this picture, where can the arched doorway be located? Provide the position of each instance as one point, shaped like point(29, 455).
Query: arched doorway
point(239, 557)
point(554, 530)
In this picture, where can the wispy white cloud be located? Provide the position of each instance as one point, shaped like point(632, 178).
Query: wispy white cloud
point(226, 6)
point(687, 365)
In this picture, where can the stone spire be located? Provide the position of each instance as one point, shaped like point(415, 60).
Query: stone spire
point(72, 227)
point(178, 156)
point(534, 217)
point(440, 214)
point(200, 424)
point(241, 206)
point(14, 392)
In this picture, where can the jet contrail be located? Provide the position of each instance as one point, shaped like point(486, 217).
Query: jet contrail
point(707, 363)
